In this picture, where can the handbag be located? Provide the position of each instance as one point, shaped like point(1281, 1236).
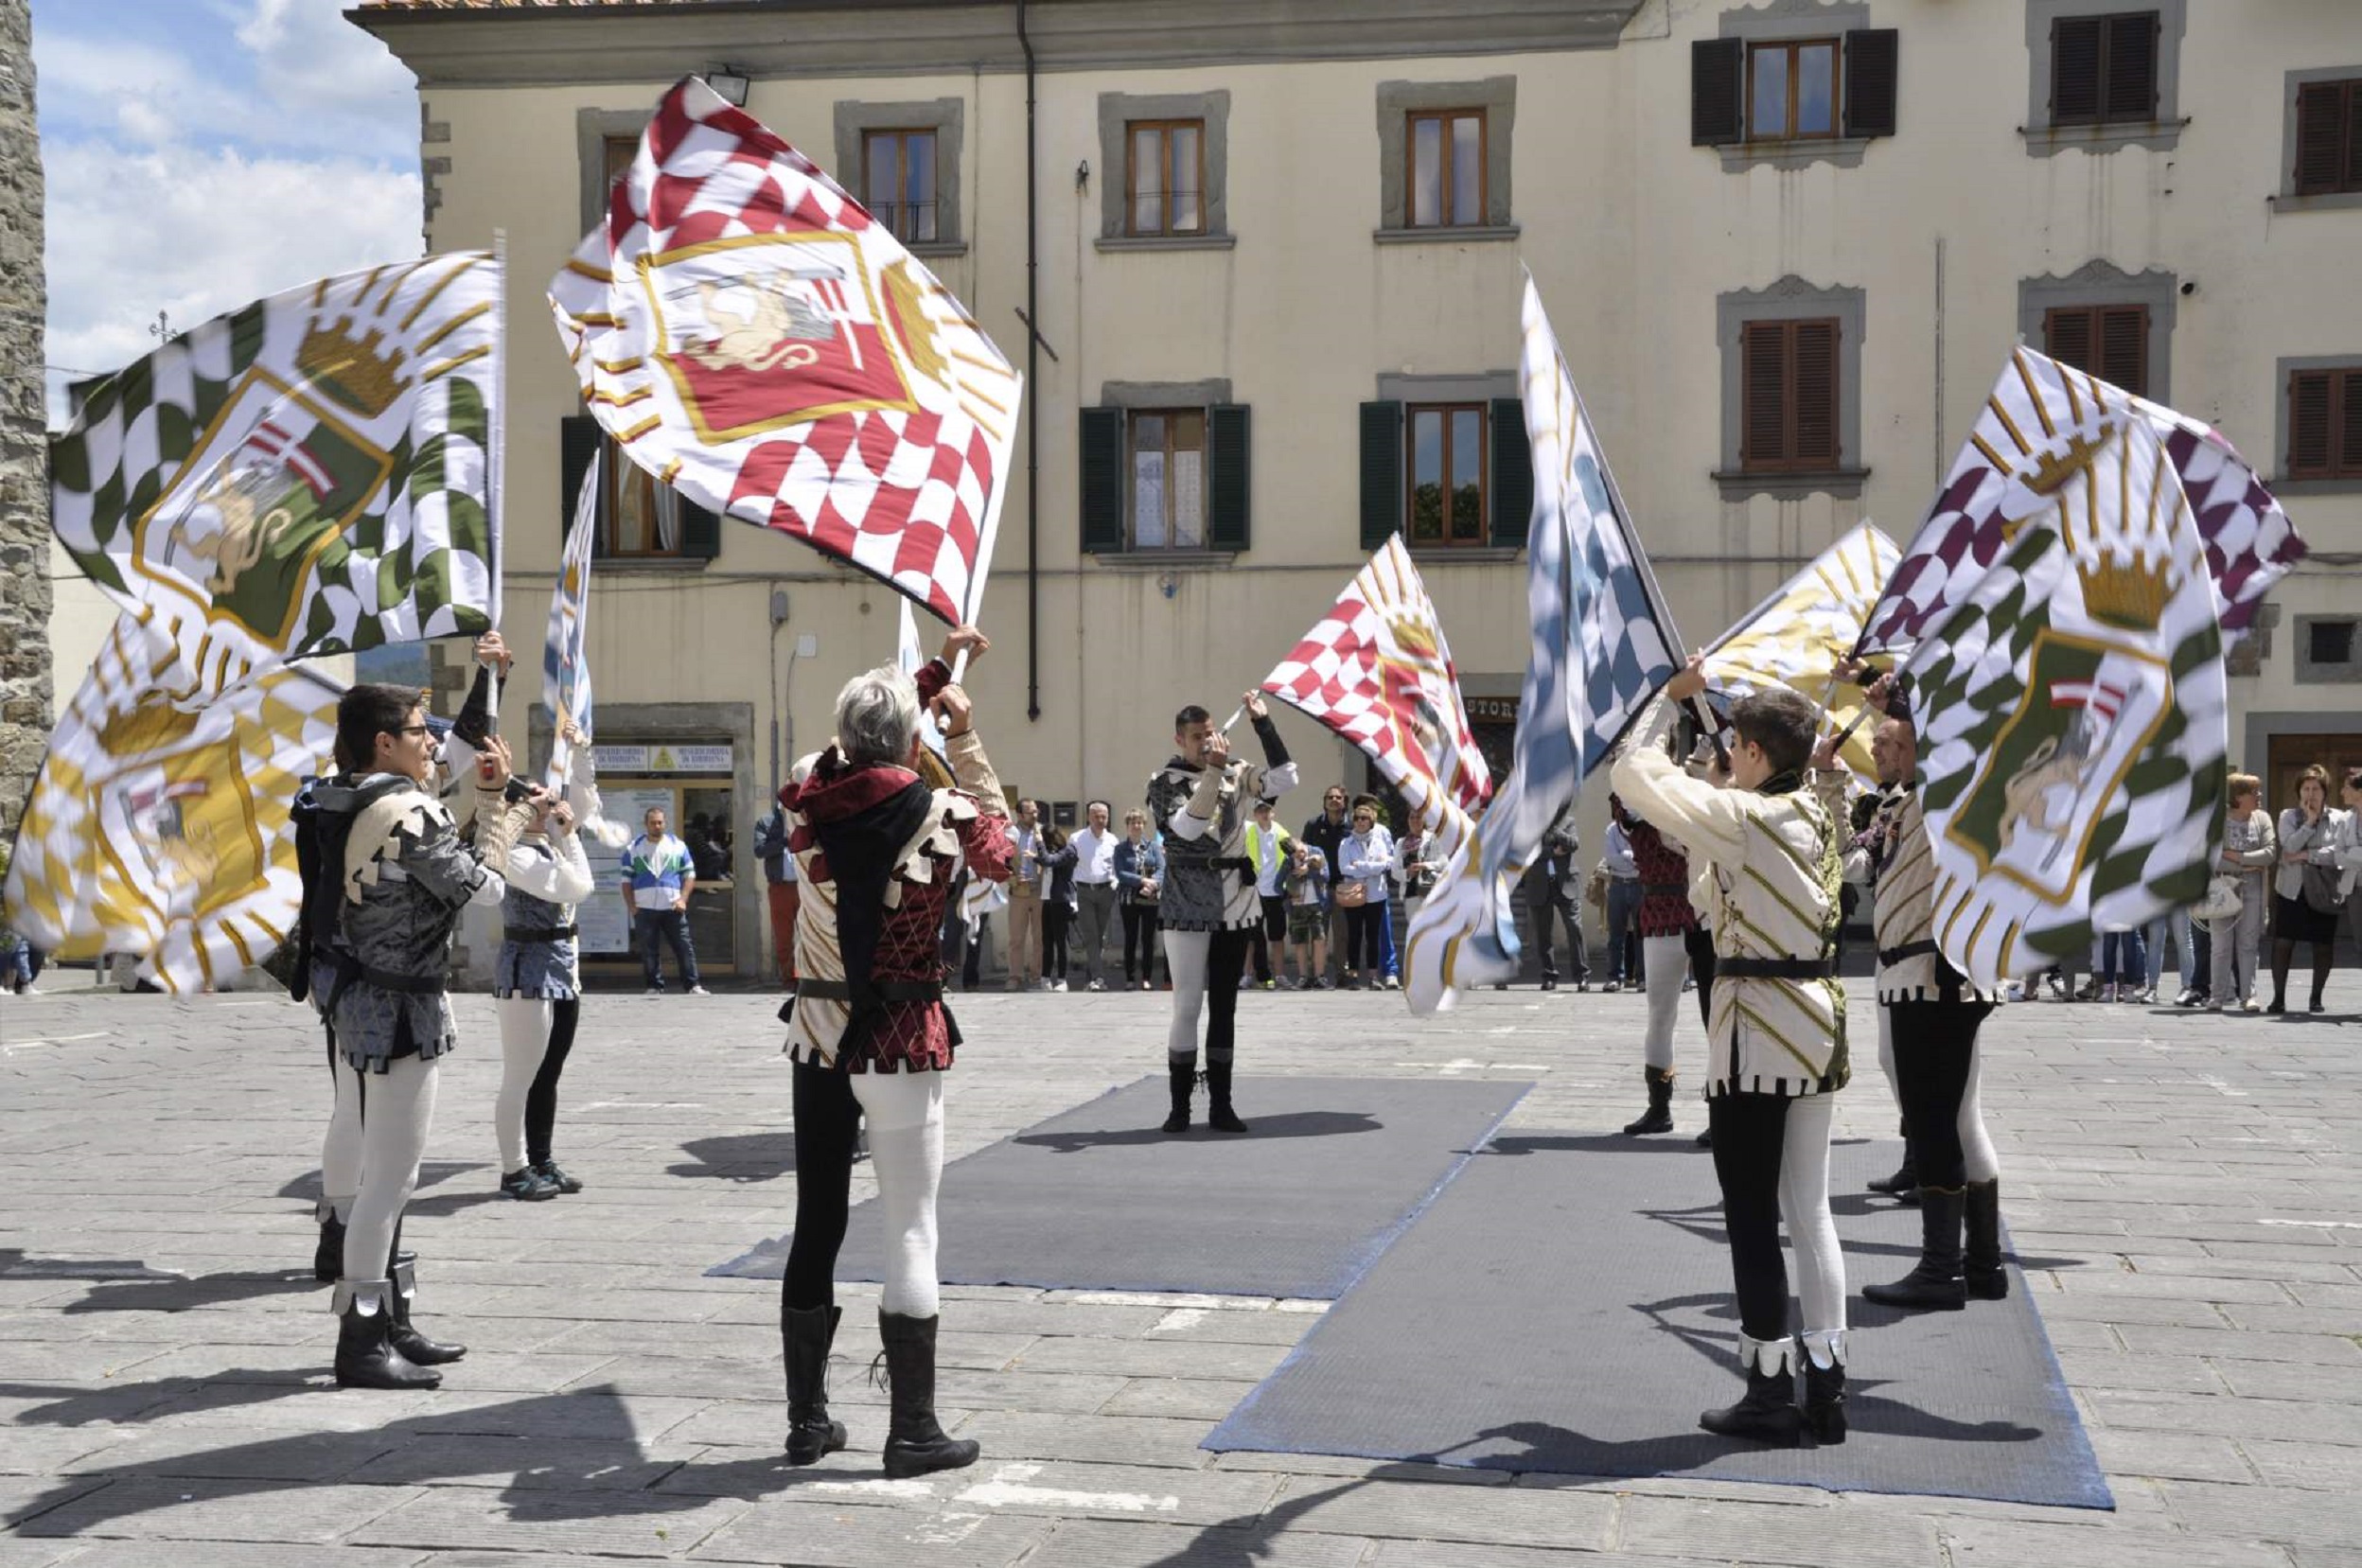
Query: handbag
point(1596, 890)
point(2321, 889)
point(1353, 894)
point(2222, 902)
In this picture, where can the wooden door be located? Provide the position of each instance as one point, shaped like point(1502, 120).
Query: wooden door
point(2292, 755)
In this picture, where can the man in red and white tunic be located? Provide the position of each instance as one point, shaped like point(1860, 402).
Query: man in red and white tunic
point(876, 850)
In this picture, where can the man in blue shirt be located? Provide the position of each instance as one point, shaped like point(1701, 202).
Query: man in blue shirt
point(659, 877)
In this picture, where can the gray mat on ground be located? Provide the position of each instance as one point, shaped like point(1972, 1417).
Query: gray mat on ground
point(1565, 1305)
point(1330, 1172)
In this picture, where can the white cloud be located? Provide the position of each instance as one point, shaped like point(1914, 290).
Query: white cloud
point(134, 231)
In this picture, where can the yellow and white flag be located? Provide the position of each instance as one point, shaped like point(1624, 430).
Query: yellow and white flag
point(1796, 637)
point(159, 826)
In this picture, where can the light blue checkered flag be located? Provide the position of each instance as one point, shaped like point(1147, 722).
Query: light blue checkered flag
point(1603, 644)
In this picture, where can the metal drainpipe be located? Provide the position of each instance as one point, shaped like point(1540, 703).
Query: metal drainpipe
point(1032, 418)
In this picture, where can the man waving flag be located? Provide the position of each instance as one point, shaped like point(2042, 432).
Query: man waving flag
point(1603, 642)
point(1797, 637)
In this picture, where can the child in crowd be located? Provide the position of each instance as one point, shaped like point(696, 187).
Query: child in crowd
point(1305, 883)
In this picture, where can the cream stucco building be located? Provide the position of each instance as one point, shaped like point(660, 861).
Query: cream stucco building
point(1274, 254)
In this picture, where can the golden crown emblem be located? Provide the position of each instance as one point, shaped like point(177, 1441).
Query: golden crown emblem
point(1415, 638)
point(359, 373)
point(2126, 592)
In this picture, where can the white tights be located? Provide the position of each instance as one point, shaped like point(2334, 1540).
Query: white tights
point(1979, 1162)
point(1886, 1056)
point(1668, 962)
point(904, 1115)
point(396, 1109)
point(524, 1040)
point(1185, 953)
point(340, 1149)
point(1805, 1209)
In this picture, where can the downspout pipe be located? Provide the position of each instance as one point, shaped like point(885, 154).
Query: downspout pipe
point(1033, 385)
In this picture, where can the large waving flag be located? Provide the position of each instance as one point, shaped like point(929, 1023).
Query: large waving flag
point(1378, 671)
point(309, 475)
point(1796, 637)
point(566, 653)
point(1603, 643)
point(747, 333)
point(2248, 540)
point(160, 824)
point(2073, 712)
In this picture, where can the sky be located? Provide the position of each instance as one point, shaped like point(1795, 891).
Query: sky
point(203, 153)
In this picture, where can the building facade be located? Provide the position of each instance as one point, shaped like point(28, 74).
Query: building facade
point(1274, 254)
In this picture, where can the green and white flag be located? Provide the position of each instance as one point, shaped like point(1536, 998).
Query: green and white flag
point(309, 475)
point(2073, 712)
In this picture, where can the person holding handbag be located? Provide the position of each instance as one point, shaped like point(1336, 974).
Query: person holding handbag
point(1140, 882)
point(1365, 859)
point(2248, 852)
point(2305, 889)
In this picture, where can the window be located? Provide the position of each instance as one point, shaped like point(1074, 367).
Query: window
point(2108, 341)
point(2104, 69)
point(1165, 177)
point(1791, 91)
point(2329, 138)
point(1168, 467)
point(1789, 419)
point(1446, 475)
point(640, 516)
point(1447, 168)
point(2324, 423)
point(2329, 641)
point(898, 182)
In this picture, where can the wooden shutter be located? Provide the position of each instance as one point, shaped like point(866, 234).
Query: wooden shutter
point(700, 530)
point(1718, 75)
point(2076, 42)
point(2123, 347)
point(1872, 70)
point(1101, 443)
point(1813, 394)
point(2067, 337)
point(1763, 394)
point(578, 441)
point(2131, 67)
point(2312, 395)
point(2327, 133)
point(2348, 384)
point(1382, 472)
point(1512, 473)
point(1230, 486)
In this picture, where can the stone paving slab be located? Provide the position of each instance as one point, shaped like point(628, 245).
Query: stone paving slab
point(2184, 1201)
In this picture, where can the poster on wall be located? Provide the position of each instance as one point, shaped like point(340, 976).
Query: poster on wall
point(604, 922)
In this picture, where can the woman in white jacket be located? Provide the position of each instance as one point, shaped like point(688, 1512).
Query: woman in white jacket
point(537, 982)
point(1367, 855)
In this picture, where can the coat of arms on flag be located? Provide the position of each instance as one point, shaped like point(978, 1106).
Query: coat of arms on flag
point(159, 825)
point(1378, 671)
point(746, 331)
point(1796, 637)
point(2248, 541)
point(2073, 748)
point(309, 475)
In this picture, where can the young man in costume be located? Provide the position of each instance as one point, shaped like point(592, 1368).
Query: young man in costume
point(877, 850)
point(386, 878)
point(1199, 801)
point(1776, 1047)
point(1931, 1014)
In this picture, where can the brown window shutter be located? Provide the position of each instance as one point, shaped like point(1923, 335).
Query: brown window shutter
point(2349, 178)
point(2321, 135)
point(1716, 73)
point(2131, 67)
point(2125, 347)
point(1763, 390)
point(1814, 353)
point(1871, 72)
point(2067, 337)
point(2349, 411)
point(2075, 43)
point(2309, 398)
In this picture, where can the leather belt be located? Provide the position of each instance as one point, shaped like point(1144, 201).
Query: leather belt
point(1774, 969)
point(554, 933)
point(1909, 950)
point(886, 990)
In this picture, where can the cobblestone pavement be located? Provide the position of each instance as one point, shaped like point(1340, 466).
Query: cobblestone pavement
point(163, 1352)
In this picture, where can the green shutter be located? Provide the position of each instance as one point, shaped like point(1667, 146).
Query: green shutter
point(1382, 472)
point(700, 530)
point(1100, 440)
point(578, 439)
point(1231, 484)
point(1512, 474)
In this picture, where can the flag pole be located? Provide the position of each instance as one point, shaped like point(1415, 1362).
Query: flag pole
point(498, 489)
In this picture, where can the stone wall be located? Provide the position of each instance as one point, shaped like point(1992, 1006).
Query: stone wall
point(25, 713)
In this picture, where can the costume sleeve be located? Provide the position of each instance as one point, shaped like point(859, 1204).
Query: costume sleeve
point(1709, 820)
point(476, 721)
point(568, 870)
point(452, 872)
point(985, 841)
point(1279, 775)
point(932, 678)
point(1194, 813)
point(582, 785)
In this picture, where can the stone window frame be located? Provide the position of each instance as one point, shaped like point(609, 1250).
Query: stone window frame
point(1488, 388)
point(1775, 24)
point(947, 118)
point(2282, 368)
point(1397, 100)
point(2346, 673)
point(2287, 200)
point(2102, 282)
point(1791, 298)
point(1117, 111)
point(593, 130)
point(2045, 140)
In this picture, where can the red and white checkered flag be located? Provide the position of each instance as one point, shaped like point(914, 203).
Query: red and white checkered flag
point(749, 334)
point(1378, 672)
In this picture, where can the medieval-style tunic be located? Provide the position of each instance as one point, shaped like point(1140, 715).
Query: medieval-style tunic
point(1210, 878)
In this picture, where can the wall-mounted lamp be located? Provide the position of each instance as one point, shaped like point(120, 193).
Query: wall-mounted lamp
point(730, 83)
